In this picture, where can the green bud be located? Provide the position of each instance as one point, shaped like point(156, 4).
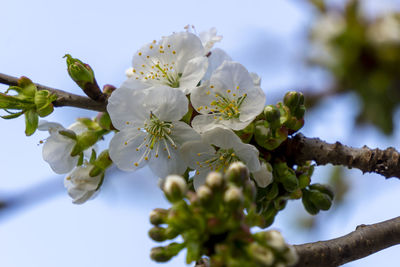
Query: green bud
point(297, 194)
point(164, 254)
point(323, 188)
point(308, 205)
point(43, 101)
point(174, 188)
point(104, 121)
point(238, 173)
point(158, 216)
point(194, 249)
point(272, 113)
point(293, 99)
point(80, 72)
point(320, 200)
point(108, 89)
point(250, 191)
point(289, 181)
point(158, 234)
point(300, 111)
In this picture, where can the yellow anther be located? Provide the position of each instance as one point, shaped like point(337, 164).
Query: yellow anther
point(199, 154)
point(127, 122)
point(169, 156)
point(125, 143)
point(237, 87)
point(212, 86)
point(174, 52)
point(134, 71)
point(233, 154)
point(156, 155)
point(137, 149)
point(205, 107)
point(146, 158)
point(140, 53)
point(161, 47)
point(68, 178)
point(169, 46)
point(208, 92)
point(154, 41)
point(228, 91)
point(148, 56)
point(197, 172)
point(143, 66)
point(221, 158)
point(151, 47)
point(142, 72)
point(136, 164)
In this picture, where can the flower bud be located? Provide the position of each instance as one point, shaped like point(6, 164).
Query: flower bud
point(80, 72)
point(233, 195)
point(237, 173)
point(308, 205)
point(214, 180)
point(102, 162)
point(304, 181)
point(158, 234)
point(204, 193)
point(247, 133)
point(261, 254)
point(174, 188)
point(320, 200)
point(293, 99)
point(108, 89)
point(158, 216)
point(272, 113)
point(275, 240)
point(164, 254)
point(43, 101)
point(323, 188)
point(291, 256)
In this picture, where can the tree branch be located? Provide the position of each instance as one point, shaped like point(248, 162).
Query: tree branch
point(64, 98)
point(385, 162)
point(364, 241)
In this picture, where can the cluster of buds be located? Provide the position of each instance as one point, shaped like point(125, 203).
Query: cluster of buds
point(215, 222)
point(30, 101)
point(278, 121)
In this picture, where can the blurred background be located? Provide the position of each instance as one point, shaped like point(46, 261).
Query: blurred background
point(345, 56)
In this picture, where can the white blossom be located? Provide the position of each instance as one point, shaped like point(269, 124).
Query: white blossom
point(57, 148)
point(385, 30)
point(149, 128)
point(229, 99)
point(80, 185)
point(209, 38)
point(263, 176)
point(176, 61)
point(218, 148)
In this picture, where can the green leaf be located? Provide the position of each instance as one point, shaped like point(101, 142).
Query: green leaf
point(31, 122)
point(12, 115)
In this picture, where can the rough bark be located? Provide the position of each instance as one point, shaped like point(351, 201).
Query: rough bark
point(364, 241)
point(385, 162)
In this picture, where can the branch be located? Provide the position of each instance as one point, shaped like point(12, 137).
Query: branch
point(384, 162)
point(364, 241)
point(64, 98)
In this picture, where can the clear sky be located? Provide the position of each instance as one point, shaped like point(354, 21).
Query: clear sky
point(111, 230)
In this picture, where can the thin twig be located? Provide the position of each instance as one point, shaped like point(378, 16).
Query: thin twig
point(64, 98)
point(364, 241)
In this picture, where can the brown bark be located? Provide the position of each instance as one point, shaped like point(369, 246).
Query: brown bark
point(364, 241)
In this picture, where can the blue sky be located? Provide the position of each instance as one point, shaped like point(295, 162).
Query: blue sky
point(265, 36)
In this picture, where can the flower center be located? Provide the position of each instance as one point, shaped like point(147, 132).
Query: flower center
point(219, 161)
point(225, 107)
point(158, 65)
point(158, 134)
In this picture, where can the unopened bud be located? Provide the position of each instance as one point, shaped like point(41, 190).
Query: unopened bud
point(214, 180)
point(158, 234)
point(320, 200)
point(293, 99)
point(233, 195)
point(272, 113)
point(291, 256)
point(275, 240)
point(80, 72)
point(174, 187)
point(158, 216)
point(261, 254)
point(204, 193)
point(237, 173)
point(108, 89)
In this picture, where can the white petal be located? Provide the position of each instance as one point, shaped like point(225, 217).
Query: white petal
point(249, 155)
point(192, 74)
point(263, 176)
point(182, 133)
point(201, 97)
point(230, 75)
point(78, 127)
point(49, 126)
point(163, 166)
point(125, 105)
point(123, 149)
point(256, 79)
point(253, 105)
point(56, 152)
point(217, 57)
point(186, 45)
point(222, 137)
point(196, 152)
point(209, 38)
point(168, 104)
point(204, 123)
